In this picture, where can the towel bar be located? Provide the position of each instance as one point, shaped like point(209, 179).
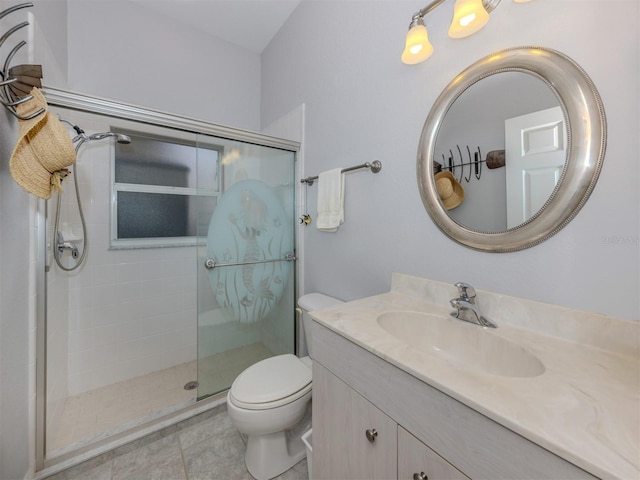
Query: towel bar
point(210, 263)
point(374, 166)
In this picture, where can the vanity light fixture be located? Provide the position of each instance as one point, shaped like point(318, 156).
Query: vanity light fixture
point(469, 16)
point(417, 47)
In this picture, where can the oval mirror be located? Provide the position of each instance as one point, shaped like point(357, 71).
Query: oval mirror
point(511, 149)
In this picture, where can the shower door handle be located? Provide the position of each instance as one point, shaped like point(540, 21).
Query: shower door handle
point(210, 263)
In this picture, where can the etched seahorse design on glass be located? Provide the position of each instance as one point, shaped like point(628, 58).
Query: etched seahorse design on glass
point(249, 225)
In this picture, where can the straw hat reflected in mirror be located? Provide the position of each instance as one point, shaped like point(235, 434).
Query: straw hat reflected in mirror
point(449, 189)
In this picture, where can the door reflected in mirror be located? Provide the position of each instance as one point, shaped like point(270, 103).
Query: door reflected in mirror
point(516, 113)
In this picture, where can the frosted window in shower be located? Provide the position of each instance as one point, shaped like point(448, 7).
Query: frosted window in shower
point(157, 215)
point(162, 187)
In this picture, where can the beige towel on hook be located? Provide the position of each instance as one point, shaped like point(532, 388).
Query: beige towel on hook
point(330, 200)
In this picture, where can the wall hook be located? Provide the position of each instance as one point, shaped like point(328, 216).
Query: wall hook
point(17, 82)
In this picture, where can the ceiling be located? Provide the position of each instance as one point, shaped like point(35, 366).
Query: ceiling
point(250, 24)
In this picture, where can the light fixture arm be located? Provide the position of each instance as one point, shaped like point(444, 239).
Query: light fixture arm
point(490, 5)
point(432, 6)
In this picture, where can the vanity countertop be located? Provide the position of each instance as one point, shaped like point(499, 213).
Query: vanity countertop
point(585, 407)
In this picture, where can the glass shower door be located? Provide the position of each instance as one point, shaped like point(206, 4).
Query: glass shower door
point(246, 274)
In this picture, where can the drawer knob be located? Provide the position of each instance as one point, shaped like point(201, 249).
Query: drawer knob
point(420, 476)
point(371, 434)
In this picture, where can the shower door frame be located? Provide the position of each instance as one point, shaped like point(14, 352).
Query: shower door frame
point(90, 104)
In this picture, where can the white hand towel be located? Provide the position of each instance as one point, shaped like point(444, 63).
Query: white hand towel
point(330, 200)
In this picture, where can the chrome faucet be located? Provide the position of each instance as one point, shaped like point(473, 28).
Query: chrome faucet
point(467, 308)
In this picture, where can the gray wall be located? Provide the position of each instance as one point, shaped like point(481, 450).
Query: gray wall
point(15, 322)
point(124, 51)
point(17, 288)
point(342, 60)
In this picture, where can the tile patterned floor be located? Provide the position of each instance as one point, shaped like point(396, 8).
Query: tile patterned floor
point(206, 447)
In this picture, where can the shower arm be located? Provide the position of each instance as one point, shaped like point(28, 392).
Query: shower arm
point(61, 244)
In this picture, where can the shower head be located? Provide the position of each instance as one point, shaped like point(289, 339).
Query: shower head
point(82, 138)
point(120, 138)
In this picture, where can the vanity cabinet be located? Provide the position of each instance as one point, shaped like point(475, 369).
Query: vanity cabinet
point(416, 461)
point(353, 440)
point(419, 428)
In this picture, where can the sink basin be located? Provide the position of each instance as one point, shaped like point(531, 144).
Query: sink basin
point(461, 343)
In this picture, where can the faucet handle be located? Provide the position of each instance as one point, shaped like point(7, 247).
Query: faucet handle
point(465, 290)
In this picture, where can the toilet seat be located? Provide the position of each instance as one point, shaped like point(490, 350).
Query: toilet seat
point(271, 383)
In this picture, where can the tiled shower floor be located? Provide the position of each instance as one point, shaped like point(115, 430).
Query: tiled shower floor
point(93, 415)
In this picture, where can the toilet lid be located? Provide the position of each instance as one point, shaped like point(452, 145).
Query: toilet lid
point(271, 380)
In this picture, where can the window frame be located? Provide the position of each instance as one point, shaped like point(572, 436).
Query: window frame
point(116, 243)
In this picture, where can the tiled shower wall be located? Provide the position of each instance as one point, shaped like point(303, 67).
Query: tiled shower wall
point(130, 312)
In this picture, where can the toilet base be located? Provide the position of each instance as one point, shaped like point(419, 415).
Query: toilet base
point(272, 454)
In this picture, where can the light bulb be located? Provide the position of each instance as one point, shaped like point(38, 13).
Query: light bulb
point(465, 21)
point(469, 16)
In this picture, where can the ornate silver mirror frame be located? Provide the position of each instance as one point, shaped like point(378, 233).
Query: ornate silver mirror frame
point(587, 136)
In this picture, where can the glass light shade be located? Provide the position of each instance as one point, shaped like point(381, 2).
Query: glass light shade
point(417, 47)
point(469, 16)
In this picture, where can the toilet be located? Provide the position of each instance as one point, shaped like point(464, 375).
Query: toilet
point(268, 399)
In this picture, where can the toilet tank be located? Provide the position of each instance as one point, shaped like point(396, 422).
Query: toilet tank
point(309, 303)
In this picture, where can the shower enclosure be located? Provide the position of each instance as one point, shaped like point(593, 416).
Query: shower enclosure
point(180, 275)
